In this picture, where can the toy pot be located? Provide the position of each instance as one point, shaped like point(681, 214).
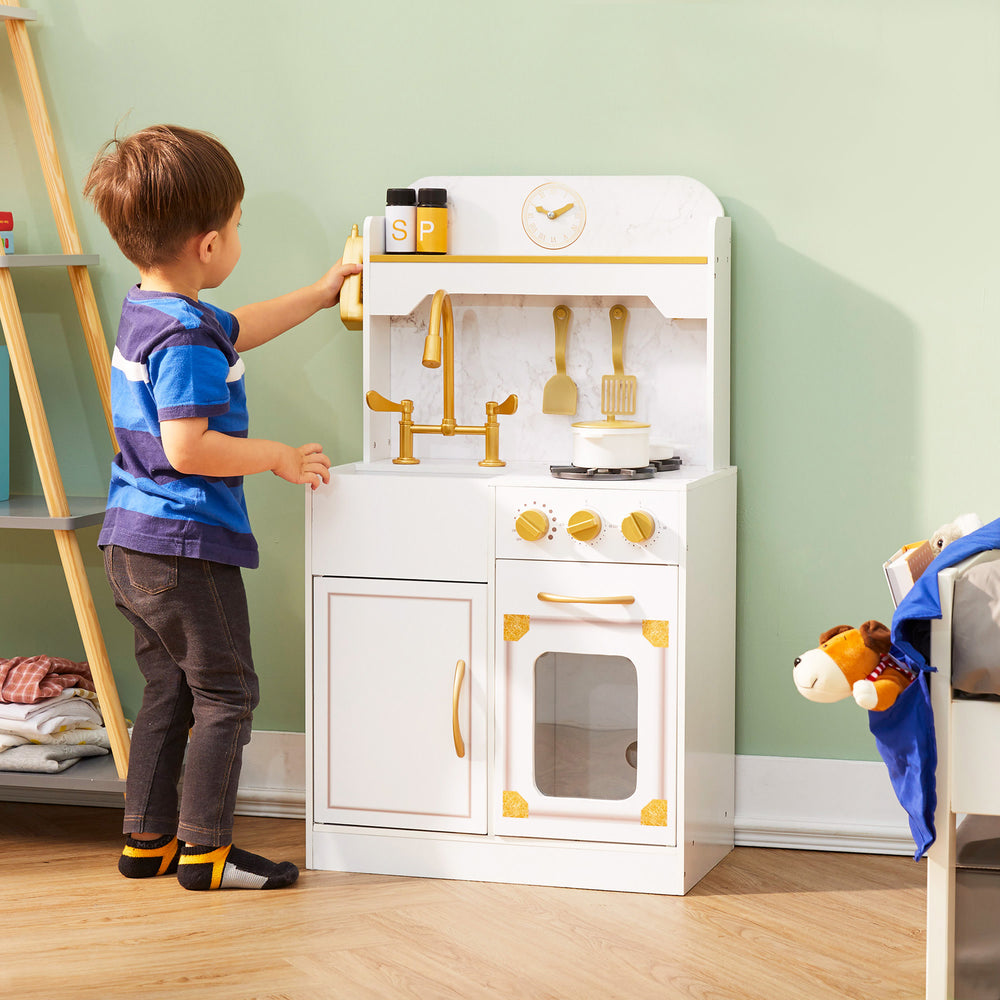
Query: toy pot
point(610, 444)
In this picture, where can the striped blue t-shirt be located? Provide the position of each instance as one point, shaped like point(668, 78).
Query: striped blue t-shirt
point(175, 357)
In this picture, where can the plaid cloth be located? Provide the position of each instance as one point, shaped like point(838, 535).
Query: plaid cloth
point(27, 679)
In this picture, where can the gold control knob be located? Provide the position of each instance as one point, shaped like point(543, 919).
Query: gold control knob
point(584, 525)
point(638, 527)
point(531, 525)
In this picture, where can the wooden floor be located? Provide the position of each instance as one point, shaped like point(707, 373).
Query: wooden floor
point(765, 925)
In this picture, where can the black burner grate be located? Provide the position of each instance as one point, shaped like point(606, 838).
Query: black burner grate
point(615, 475)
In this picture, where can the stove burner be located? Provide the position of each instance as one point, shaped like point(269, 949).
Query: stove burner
point(667, 464)
point(615, 475)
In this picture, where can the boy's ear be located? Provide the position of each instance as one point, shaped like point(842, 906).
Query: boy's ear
point(205, 246)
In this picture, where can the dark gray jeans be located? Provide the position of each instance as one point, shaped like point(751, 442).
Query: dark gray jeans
point(192, 644)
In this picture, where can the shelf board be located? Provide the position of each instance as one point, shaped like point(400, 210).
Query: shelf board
point(91, 781)
point(31, 512)
point(8, 13)
point(403, 258)
point(398, 283)
point(49, 260)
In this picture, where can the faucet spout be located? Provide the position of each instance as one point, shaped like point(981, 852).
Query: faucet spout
point(439, 348)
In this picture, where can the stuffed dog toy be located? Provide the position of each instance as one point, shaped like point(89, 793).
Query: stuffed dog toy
point(852, 661)
point(963, 525)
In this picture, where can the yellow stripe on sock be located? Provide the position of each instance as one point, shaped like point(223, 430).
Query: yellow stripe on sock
point(216, 858)
point(165, 853)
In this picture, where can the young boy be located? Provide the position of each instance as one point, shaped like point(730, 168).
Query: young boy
point(176, 532)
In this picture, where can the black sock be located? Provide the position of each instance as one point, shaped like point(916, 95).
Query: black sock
point(146, 858)
point(230, 868)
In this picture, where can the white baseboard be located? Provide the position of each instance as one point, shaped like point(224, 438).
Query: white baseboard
point(273, 780)
point(821, 805)
point(788, 802)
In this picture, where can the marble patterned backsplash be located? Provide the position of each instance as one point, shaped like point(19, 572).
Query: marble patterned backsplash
point(506, 344)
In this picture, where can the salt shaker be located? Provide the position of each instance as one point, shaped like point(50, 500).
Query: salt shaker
point(400, 220)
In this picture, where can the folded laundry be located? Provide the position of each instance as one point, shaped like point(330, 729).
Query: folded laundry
point(73, 738)
point(31, 710)
point(68, 738)
point(76, 713)
point(26, 679)
point(45, 759)
point(8, 740)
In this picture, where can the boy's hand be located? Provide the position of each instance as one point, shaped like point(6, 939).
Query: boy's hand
point(330, 284)
point(307, 465)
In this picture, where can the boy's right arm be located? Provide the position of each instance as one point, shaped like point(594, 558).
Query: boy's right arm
point(194, 450)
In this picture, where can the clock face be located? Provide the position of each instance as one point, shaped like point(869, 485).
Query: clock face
point(553, 215)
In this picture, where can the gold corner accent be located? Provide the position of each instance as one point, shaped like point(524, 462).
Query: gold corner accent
point(656, 633)
point(515, 627)
point(654, 813)
point(515, 806)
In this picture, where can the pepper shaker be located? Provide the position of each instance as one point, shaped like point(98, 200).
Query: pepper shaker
point(432, 220)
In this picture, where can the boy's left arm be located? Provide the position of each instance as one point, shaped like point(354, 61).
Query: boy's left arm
point(263, 321)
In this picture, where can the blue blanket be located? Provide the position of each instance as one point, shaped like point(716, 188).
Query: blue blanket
point(904, 733)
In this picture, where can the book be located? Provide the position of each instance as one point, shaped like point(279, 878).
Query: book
point(903, 568)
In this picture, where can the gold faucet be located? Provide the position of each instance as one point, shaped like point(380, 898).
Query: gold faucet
point(439, 348)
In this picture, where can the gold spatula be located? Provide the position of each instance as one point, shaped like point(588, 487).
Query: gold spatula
point(618, 391)
point(559, 393)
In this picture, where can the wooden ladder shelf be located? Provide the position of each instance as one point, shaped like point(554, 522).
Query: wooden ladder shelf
point(61, 518)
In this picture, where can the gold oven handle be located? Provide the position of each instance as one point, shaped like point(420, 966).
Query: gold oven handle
point(456, 692)
point(562, 599)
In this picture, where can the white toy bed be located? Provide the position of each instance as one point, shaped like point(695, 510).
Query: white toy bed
point(965, 695)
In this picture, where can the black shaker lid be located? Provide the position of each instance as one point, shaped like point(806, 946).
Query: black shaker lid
point(401, 196)
point(433, 196)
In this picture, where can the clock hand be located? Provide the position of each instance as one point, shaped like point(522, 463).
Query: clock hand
point(560, 211)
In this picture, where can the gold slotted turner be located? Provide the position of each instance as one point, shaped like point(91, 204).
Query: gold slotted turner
point(618, 391)
point(559, 393)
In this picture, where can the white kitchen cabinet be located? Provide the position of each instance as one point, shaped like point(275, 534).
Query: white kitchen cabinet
point(599, 726)
point(400, 683)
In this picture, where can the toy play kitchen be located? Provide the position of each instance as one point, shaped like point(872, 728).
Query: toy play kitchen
point(521, 601)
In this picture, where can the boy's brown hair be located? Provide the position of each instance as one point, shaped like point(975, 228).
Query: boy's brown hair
point(157, 188)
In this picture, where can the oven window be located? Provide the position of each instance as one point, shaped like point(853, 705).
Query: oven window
point(586, 725)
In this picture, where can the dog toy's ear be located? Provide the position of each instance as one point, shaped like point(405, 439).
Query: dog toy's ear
point(830, 633)
point(876, 637)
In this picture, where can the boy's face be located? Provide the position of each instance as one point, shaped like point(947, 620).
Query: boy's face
point(227, 250)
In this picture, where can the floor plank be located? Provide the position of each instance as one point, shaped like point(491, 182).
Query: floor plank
point(764, 925)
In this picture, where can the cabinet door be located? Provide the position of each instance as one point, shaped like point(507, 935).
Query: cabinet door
point(400, 733)
point(586, 701)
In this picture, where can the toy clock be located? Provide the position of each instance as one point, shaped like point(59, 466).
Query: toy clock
point(553, 215)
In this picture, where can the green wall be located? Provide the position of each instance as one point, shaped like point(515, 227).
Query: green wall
point(854, 144)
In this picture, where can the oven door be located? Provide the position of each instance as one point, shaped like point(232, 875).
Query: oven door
point(586, 702)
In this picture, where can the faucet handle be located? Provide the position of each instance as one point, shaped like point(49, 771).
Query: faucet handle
point(376, 401)
point(504, 409)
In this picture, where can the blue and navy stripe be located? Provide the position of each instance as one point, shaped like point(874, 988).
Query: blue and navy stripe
point(175, 358)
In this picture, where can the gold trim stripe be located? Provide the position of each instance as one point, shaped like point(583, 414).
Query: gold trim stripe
point(398, 258)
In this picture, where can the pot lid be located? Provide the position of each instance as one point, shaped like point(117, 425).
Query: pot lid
point(611, 425)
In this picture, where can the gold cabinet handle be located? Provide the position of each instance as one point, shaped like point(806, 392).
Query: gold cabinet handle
point(456, 692)
point(562, 599)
